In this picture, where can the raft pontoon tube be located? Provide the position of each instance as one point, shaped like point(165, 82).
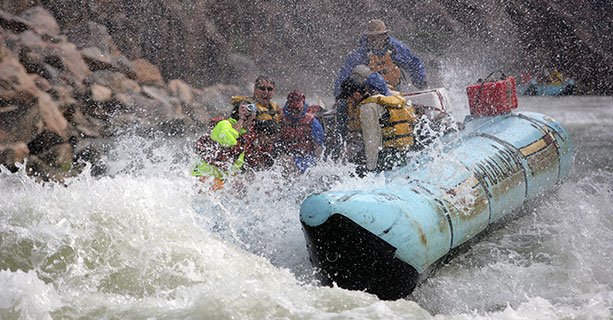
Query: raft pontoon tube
point(533, 88)
point(384, 241)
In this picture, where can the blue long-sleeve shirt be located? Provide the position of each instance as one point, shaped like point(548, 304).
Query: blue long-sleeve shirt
point(401, 56)
point(318, 132)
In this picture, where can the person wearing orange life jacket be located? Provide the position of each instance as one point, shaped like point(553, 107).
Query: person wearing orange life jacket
point(384, 54)
point(302, 135)
point(386, 124)
point(266, 124)
point(223, 149)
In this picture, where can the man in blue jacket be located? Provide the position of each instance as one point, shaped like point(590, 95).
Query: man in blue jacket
point(384, 54)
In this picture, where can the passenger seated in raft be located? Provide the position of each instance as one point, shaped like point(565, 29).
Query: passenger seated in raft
point(266, 124)
point(386, 124)
point(384, 54)
point(223, 149)
point(302, 135)
point(358, 76)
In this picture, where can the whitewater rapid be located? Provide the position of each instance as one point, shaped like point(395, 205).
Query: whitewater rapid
point(148, 241)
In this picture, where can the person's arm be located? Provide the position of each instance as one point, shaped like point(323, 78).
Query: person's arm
point(371, 133)
point(318, 132)
point(354, 58)
point(341, 119)
point(409, 63)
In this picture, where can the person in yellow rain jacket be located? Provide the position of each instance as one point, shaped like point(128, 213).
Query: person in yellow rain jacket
point(223, 149)
point(386, 125)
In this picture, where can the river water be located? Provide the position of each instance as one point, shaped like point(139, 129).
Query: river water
point(149, 242)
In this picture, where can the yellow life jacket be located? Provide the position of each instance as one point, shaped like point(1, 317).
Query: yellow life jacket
point(264, 113)
point(270, 112)
point(386, 67)
point(353, 117)
point(397, 122)
point(555, 77)
point(353, 114)
point(236, 100)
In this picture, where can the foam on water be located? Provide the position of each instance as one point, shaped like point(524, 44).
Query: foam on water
point(134, 246)
point(557, 249)
point(148, 241)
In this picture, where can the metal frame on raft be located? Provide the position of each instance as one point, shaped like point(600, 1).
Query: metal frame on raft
point(385, 240)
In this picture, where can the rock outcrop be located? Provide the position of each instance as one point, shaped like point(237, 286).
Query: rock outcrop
point(58, 99)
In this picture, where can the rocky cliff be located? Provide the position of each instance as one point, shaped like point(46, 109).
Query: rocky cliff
point(302, 43)
point(60, 100)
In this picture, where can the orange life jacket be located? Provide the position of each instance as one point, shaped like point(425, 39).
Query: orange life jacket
point(386, 67)
point(297, 136)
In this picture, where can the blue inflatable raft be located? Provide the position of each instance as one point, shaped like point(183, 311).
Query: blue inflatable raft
point(533, 88)
point(386, 240)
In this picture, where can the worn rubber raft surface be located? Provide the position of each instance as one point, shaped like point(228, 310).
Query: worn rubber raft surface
point(387, 239)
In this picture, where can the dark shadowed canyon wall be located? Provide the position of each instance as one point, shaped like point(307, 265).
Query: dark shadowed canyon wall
point(302, 43)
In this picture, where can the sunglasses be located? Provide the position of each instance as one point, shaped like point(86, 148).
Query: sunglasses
point(263, 88)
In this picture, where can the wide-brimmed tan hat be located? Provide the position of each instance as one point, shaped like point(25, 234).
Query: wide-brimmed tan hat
point(375, 27)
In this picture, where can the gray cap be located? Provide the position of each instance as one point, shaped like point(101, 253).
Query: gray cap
point(360, 73)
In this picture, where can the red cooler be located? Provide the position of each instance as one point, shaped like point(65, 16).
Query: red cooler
point(492, 98)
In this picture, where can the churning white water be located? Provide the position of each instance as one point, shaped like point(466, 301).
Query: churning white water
point(149, 242)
